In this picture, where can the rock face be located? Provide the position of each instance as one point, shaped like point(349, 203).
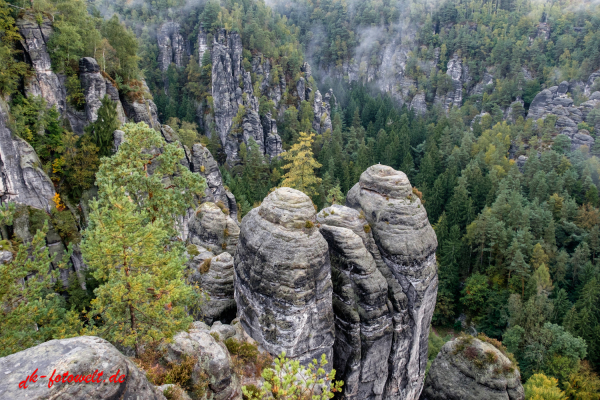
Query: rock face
point(44, 82)
point(79, 356)
point(363, 321)
point(212, 229)
point(171, 46)
point(202, 44)
point(322, 111)
point(141, 109)
point(418, 104)
point(406, 244)
point(93, 85)
point(213, 362)
point(283, 284)
point(464, 370)
point(459, 74)
point(203, 163)
point(217, 282)
point(273, 143)
point(556, 101)
point(232, 90)
point(22, 180)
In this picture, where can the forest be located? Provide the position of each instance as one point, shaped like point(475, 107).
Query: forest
point(518, 242)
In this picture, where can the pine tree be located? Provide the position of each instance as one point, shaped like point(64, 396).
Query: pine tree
point(144, 296)
point(301, 166)
point(101, 131)
point(31, 311)
point(155, 181)
point(335, 196)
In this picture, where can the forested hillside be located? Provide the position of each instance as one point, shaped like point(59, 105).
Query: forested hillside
point(490, 108)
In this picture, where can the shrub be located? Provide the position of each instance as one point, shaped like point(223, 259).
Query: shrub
point(367, 228)
point(309, 225)
point(290, 381)
point(205, 266)
point(192, 250)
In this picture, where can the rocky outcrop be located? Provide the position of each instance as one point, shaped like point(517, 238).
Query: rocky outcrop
point(216, 280)
point(141, 108)
point(363, 320)
point(93, 85)
point(79, 356)
point(232, 94)
point(202, 44)
point(43, 82)
point(213, 362)
point(322, 111)
point(470, 369)
point(273, 143)
point(171, 46)
point(557, 101)
point(22, 179)
point(406, 244)
point(418, 104)
point(213, 229)
point(283, 284)
point(488, 79)
point(203, 163)
point(459, 74)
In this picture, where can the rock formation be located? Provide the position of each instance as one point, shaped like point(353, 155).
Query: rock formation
point(213, 229)
point(214, 363)
point(557, 101)
point(459, 74)
point(406, 244)
point(22, 179)
point(141, 109)
point(283, 278)
point(470, 369)
point(228, 78)
point(273, 143)
point(203, 163)
point(216, 279)
point(171, 46)
point(364, 330)
point(78, 356)
point(418, 104)
point(322, 111)
point(44, 82)
point(202, 44)
point(93, 85)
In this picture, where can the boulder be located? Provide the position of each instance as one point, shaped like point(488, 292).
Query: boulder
point(470, 369)
point(406, 243)
point(79, 356)
point(282, 280)
point(418, 104)
point(213, 363)
point(213, 229)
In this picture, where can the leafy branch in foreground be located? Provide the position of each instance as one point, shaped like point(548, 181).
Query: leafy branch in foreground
point(288, 380)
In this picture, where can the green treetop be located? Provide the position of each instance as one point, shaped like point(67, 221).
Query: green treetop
point(149, 170)
point(144, 296)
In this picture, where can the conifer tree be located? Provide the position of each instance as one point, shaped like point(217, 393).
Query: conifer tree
point(101, 131)
point(31, 312)
point(155, 180)
point(144, 295)
point(302, 165)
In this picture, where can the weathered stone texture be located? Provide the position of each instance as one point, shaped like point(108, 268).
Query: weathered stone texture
point(79, 356)
point(454, 376)
point(406, 243)
point(283, 278)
